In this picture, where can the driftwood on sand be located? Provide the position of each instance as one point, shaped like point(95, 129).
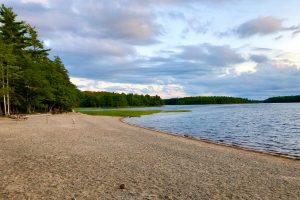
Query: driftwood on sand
point(18, 117)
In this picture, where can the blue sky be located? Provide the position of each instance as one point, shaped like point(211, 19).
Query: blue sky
point(173, 48)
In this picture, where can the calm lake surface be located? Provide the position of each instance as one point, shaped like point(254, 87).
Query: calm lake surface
point(265, 127)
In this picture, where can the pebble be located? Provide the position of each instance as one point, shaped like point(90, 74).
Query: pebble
point(122, 186)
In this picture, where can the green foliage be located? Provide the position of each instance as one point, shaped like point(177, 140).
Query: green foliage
point(109, 99)
point(36, 48)
point(30, 80)
point(207, 100)
point(122, 113)
point(283, 99)
point(8, 75)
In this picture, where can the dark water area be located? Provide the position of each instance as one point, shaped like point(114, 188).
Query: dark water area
point(273, 128)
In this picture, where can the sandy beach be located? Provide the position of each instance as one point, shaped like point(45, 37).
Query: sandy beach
point(76, 156)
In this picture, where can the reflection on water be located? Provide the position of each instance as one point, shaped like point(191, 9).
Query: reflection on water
point(267, 127)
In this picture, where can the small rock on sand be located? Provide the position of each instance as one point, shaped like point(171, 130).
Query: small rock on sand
point(122, 186)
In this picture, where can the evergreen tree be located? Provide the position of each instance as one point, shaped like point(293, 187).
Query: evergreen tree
point(12, 31)
point(38, 83)
point(36, 47)
point(8, 74)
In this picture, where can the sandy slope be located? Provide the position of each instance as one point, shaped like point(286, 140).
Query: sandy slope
point(91, 158)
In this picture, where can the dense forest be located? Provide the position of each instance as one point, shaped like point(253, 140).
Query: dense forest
point(108, 99)
point(283, 99)
point(207, 100)
point(30, 80)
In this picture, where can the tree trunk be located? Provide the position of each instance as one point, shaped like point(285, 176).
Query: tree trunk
point(29, 108)
point(3, 88)
point(8, 97)
point(4, 102)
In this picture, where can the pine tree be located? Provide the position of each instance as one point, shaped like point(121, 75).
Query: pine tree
point(36, 47)
point(8, 72)
point(13, 40)
point(12, 31)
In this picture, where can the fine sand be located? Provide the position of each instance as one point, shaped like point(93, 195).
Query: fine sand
point(75, 156)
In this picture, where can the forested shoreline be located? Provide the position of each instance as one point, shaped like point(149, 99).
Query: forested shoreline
point(109, 99)
point(207, 100)
point(200, 100)
point(33, 82)
point(283, 99)
point(114, 100)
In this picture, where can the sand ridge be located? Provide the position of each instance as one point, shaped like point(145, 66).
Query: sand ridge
point(76, 156)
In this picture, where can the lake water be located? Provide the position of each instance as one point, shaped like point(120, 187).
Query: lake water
point(272, 128)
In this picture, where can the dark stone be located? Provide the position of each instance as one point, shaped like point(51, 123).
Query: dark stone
point(122, 186)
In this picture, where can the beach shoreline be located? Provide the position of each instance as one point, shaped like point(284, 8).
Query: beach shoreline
point(239, 147)
point(88, 157)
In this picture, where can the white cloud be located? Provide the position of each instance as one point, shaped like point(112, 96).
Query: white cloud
point(163, 90)
point(246, 67)
point(44, 2)
point(47, 43)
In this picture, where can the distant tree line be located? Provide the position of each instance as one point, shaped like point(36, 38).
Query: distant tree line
point(108, 99)
point(283, 99)
point(207, 100)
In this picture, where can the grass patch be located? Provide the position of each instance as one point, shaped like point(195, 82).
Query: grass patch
point(127, 113)
point(167, 111)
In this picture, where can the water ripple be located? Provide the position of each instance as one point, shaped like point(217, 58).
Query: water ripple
point(266, 127)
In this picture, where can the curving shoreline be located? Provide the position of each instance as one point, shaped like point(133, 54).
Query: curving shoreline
point(89, 157)
point(276, 154)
